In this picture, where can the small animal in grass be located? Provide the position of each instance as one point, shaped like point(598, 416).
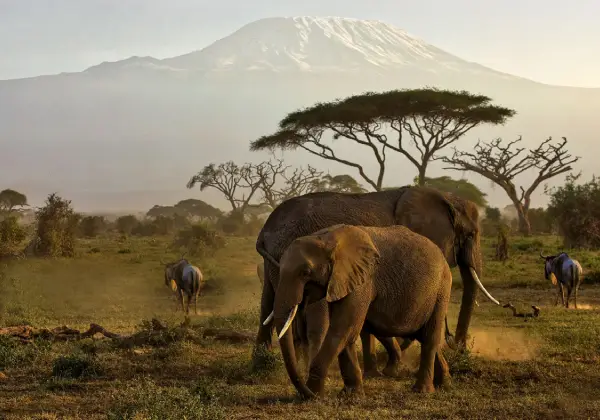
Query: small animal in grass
point(184, 278)
point(565, 273)
point(535, 313)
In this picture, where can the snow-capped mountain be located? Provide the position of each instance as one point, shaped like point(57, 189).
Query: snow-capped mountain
point(148, 124)
point(311, 44)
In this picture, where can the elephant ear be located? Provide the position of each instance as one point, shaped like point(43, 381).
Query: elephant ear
point(353, 259)
point(429, 213)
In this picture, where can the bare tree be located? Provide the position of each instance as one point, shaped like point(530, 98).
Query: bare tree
point(238, 184)
point(502, 163)
point(278, 184)
point(433, 119)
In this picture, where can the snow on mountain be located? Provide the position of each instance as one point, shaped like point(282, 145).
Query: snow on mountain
point(316, 44)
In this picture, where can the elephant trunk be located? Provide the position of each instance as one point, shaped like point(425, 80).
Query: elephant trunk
point(471, 266)
point(289, 354)
point(285, 307)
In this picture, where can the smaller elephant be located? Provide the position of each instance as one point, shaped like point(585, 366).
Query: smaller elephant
point(390, 281)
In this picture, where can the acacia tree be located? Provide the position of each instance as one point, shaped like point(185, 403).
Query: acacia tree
point(238, 184)
point(502, 163)
point(459, 187)
point(338, 183)
point(10, 199)
point(429, 119)
point(279, 184)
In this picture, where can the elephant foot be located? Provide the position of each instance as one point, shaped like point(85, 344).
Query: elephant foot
point(316, 386)
point(352, 393)
point(423, 388)
point(392, 371)
point(372, 373)
point(445, 385)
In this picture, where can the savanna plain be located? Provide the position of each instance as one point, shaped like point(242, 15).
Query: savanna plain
point(529, 368)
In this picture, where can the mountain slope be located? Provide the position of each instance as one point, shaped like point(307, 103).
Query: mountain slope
point(144, 124)
point(321, 44)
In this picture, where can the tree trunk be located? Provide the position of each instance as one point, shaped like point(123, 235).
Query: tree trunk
point(524, 225)
point(422, 170)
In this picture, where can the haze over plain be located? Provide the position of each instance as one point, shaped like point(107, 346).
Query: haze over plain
point(207, 79)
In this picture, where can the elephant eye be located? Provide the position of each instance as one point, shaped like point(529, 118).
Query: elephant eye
point(306, 271)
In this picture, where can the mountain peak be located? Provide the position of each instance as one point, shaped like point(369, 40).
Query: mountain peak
point(315, 44)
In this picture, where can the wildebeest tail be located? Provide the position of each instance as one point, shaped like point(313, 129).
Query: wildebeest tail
point(197, 280)
point(575, 274)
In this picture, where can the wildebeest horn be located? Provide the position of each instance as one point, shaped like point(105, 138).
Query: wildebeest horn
point(542, 255)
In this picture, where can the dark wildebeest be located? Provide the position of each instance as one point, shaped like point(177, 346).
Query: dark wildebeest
point(564, 272)
point(187, 279)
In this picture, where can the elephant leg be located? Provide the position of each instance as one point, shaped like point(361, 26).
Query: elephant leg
point(441, 372)
point(350, 370)
point(265, 332)
point(406, 343)
point(431, 338)
point(392, 368)
point(345, 325)
point(369, 356)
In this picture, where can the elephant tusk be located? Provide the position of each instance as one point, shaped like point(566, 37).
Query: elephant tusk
point(476, 277)
point(288, 322)
point(269, 318)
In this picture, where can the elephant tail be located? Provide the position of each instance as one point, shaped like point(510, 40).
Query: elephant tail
point(450, 341)
point(263, 252)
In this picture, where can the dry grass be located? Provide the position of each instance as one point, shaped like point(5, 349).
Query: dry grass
point(547, 367)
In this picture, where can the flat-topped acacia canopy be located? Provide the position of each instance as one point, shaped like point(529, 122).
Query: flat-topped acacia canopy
point(432, 118)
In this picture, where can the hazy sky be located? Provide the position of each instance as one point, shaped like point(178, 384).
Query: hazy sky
point(552, 42)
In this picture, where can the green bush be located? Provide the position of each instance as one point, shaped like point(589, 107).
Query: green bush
point(576, 209)
point(125, 224)
point(12, 234)
point(92, 226)
point(236, 223)
point(75, 366)
point(56, 228)
point(199, 240)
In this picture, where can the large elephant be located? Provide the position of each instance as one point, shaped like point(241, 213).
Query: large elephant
point(389, 280)
point(452, 223)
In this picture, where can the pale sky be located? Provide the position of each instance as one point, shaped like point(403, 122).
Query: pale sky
point(551, 42)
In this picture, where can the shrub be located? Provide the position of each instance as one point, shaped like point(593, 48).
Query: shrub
point(75, 366)
point(199, 240)
point(576, 209)
point(92, 226)
point(12, 234)
point(236, 223)
point(125, 224)
point(56, 227)
point(160, 225)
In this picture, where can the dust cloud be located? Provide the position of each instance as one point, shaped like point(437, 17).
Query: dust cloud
point(503, 344)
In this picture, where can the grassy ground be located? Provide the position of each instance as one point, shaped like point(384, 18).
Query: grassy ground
point(547, 367)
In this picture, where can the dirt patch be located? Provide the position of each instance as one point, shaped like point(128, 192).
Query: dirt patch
point(504, 344)
point(584, 306)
